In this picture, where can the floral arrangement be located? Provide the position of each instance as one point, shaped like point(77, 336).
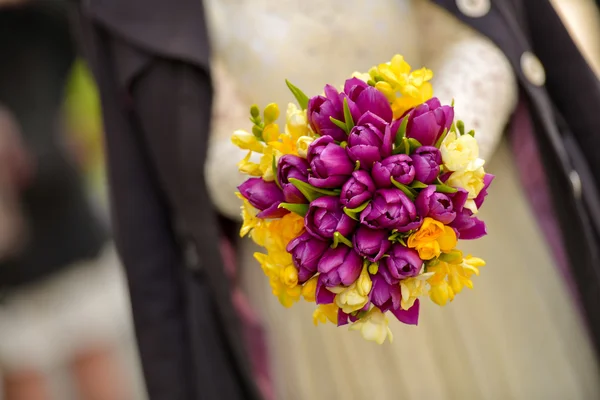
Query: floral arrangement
point(360, 201)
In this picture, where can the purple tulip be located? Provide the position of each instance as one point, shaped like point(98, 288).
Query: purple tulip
point(291, 166)
point(438, 206)
point(368, 99)
point(383, 295)
point(306, 252)
point(325, 217)
point(321, 108)
point(487, 180)
point(340, 266)
point(365, 142)
point(322, 294)
point(390, 209)
point(427, 121)
point(402, 263)
point(264, 196)
point(371, 243)
point(358, 189)
point(467, 226)
point(426, 160)
point(400, 167)
point(329, 163)
point(410, 316)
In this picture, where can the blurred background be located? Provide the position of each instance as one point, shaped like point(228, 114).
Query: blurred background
point(65, 323)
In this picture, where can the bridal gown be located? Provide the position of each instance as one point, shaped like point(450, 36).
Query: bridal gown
point(518, 334)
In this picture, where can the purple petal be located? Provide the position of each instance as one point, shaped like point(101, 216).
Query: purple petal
point(410, 316)
point(323, 296)
point(371, 99)
point(487, 180)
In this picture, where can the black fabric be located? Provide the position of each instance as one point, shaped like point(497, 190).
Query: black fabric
point(566, 118)
point(37, 53)
point(157, 108)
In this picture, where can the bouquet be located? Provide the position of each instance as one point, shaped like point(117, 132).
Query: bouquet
point(360, 200)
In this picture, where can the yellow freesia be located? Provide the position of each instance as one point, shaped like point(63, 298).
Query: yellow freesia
point(432, 238)
point(403, 89)
point(296, 124)
point(309, 290)
point(355, 296)
point(302, 145)
point(459, 151)
point(324, 313)
point(250, 221)
point(470, 179)
point(374, 326)
point(449, 279)
point(283, 278)
point(247, 141)
point(248, 167)
point(413, 288)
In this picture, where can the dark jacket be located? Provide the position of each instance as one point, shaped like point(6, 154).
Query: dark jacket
point(151, 61)
point(37, 52)
point(564, 111)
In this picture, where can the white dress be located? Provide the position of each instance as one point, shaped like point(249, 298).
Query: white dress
point(517, 335)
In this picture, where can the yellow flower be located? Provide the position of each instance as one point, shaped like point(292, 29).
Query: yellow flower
point(296, 124)
point(470, 179)
point(281, 278)
point(403, 89)
point(247, 141)
point(324, 313)
point(413, 288)
point(248, 167)
point(309, 290)
point(288, 227)
point(459, 151)
point(270, 133)
point(355, 296)
point(302, 145)
point(266, 163)
point(285, 145)
point(250, 221)
point(432, 238)
point(449, 279)
point(289, 276)
point(271, 113)
point(373, 326)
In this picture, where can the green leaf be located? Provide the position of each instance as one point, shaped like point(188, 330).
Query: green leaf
point(348, 116)
point(339, 238)
point(410, 193)
point(300, 209)
point(359, 208)
point(453, 256)
point(349, 213)
point(418, 185)
point(471, 132)
point(301, 98)
point(413, 145)
point(257, 131)
point(452, 103)
point(357, 165)
point(310, 192)
point(339, 124)
point(461, 127)
point(443, 188)
point(344, 144)
point(401, 133)
point(439, 142)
